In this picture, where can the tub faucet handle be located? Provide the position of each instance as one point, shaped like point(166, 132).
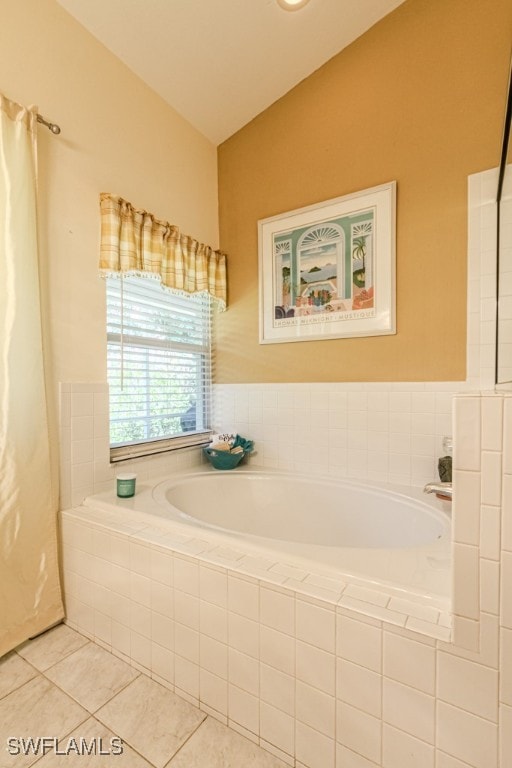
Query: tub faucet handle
point(440, 489)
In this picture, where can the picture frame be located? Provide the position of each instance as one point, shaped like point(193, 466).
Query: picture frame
point(327, 271)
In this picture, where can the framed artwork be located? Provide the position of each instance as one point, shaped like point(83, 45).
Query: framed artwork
point(327, 271)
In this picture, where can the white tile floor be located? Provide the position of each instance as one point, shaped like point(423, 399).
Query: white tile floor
point(90, 705)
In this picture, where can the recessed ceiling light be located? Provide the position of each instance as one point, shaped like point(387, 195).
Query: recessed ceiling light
point(292, 5)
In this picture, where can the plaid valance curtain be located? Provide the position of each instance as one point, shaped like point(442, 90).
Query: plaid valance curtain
point(134, 242)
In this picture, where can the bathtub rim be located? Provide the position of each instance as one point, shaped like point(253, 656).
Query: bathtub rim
point(143, 504)
point(413, 495)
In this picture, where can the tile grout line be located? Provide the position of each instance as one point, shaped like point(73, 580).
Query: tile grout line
point(168, 764)
point(17, 688)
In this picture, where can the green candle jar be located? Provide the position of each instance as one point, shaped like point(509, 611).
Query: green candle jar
point(126, 485)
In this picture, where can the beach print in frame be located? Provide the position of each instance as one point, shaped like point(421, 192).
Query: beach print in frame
point(328, 270)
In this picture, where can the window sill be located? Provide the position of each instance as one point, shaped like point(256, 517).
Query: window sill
point(150, 448)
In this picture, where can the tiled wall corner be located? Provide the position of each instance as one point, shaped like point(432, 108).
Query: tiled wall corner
point(466, 505)
point(483, 618)
point(505, 692)
point(479, 423)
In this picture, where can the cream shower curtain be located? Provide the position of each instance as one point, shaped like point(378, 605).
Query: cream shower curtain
point(30, 599)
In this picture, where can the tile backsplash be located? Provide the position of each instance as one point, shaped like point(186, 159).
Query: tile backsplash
point(380, 432)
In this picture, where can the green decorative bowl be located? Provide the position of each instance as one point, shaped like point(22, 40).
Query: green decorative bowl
point(223, 459)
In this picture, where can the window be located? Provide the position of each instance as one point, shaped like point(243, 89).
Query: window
point(159, 367)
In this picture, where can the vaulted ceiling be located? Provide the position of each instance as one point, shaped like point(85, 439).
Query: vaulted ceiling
point(219, 63)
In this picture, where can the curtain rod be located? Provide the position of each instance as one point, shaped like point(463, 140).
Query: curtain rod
point(52, 126)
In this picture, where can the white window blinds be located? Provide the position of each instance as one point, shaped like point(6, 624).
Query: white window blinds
point(159, 367)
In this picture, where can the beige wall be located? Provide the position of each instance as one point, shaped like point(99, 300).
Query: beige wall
point(117, 136)
point(419, 98)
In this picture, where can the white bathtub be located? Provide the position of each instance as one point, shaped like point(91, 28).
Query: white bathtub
point(390, 538)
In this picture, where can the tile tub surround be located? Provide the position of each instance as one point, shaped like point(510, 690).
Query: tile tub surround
point(142, 530)
point(318, 684)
